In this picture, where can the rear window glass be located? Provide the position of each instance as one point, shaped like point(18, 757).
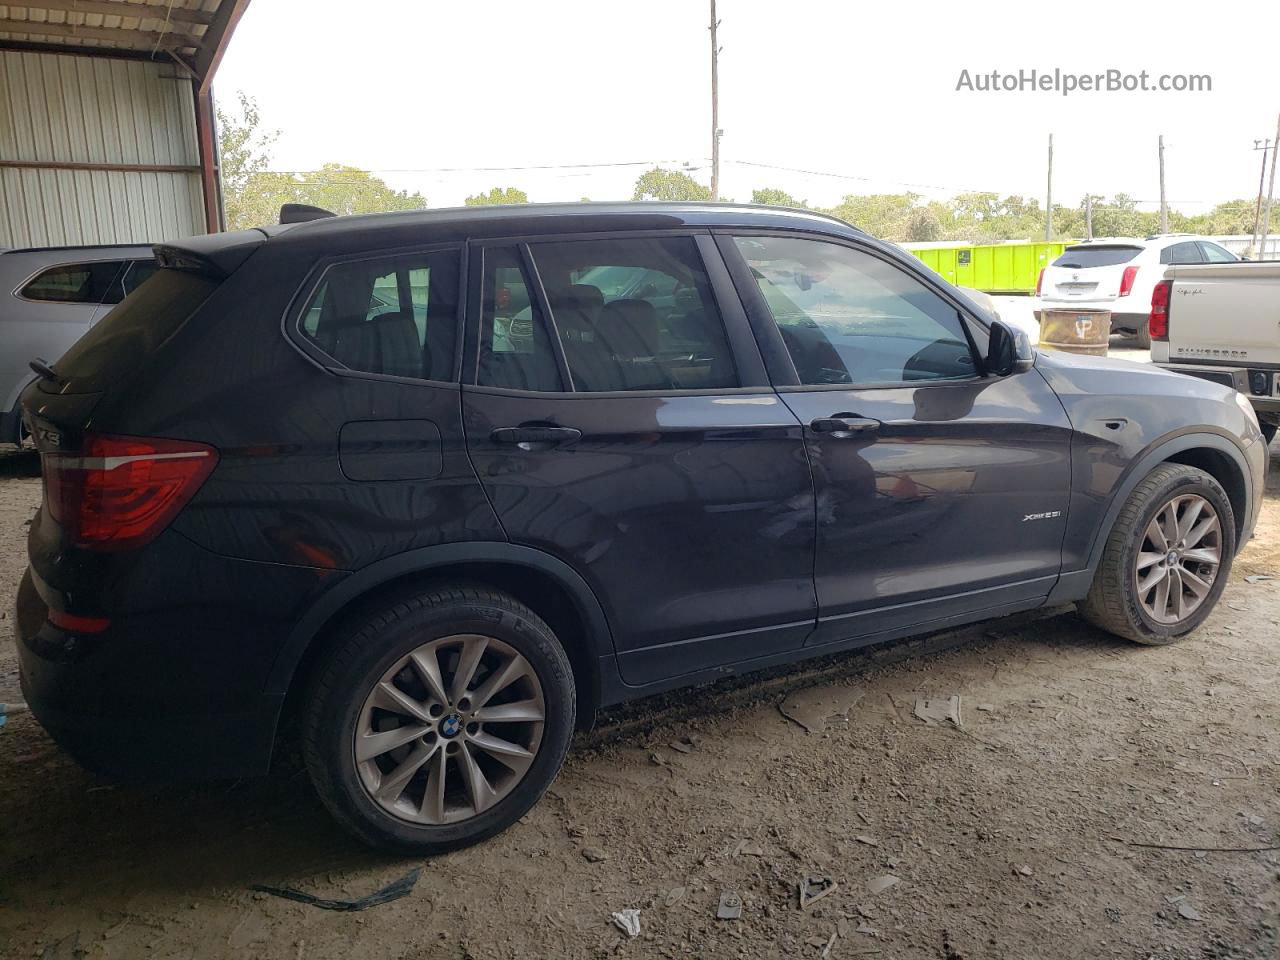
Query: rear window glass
point(1079, 257)
point(74, 282)
point(396, 316)
point(133, 329)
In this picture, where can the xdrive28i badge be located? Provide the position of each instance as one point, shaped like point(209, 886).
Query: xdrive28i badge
point(1047, 515)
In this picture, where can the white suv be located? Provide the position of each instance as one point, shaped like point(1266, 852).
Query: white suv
point(1119, 273)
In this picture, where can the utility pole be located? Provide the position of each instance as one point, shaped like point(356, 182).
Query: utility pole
point(1048, 200)
point(1271, 189)
point(1262, 176)
point(715, 106)
point(1164, 206)
point(1088, 216)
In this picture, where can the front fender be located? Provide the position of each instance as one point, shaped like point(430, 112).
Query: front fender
point(1074, 584)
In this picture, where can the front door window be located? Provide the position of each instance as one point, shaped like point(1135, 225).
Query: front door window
point(850, 317)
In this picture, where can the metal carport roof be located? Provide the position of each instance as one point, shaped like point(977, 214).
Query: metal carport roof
point(188, 35)
point(193, 33)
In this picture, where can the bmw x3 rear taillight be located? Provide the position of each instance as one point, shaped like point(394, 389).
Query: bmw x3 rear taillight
point(120, 492)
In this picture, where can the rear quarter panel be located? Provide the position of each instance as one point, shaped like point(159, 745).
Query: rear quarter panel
point(230, 377)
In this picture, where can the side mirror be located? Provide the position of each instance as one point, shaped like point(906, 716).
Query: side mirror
point(1009, 350)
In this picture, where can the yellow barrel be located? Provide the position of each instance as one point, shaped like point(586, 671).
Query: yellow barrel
point(1082, 330)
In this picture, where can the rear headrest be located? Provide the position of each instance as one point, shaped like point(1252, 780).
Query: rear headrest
point(387, 343)
point(636, 318)
point(639, 313)
point(585, 297)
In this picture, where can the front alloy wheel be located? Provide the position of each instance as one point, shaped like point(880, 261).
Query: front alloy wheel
point(1179, 559)
point(1166, 559)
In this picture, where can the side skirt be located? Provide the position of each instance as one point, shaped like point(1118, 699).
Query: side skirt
point(614, 690)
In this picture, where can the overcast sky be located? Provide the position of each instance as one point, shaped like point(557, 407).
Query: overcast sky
point(864, 90)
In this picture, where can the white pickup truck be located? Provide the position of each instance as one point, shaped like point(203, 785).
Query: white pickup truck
point(1221, 322)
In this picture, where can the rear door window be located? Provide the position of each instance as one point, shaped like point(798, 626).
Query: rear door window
point(75, 282)
point(1187, 252)
point(1081, 258)
point(635, 313)
point(516, 351)
point(396, 316)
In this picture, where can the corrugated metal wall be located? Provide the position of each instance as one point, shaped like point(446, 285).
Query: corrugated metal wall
point(68, 109)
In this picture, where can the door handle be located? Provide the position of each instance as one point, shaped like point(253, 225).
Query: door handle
point(546, 436)
point(844, 425)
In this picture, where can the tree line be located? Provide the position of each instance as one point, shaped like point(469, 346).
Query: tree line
point(253, 195)
point(974, 217)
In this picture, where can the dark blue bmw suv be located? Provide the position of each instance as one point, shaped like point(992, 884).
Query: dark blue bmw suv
point(440, 484)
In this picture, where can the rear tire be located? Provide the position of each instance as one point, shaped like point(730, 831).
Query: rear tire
point(1125, 597)
point(1143, 337)
point(439, 720)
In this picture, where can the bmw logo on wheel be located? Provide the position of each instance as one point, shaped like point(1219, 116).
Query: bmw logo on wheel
point(450, 725)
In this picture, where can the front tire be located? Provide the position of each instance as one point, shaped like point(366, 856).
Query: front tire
point(439, 721)
point(1167, 559)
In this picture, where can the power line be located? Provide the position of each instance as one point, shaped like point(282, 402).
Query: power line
point(546, 166)
point(850, 176)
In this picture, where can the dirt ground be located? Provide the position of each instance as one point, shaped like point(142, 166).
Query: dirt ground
point(1020, 834)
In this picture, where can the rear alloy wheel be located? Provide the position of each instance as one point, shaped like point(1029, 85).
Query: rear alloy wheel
point(1167, 558)
point(436, 745)
point(439, 721)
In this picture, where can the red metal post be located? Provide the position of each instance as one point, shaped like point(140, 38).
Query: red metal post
point(209, 185)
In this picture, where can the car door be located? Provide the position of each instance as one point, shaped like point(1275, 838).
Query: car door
point(939, 490)
point(647, 452)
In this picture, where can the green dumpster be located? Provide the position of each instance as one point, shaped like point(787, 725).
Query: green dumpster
point(991, 268)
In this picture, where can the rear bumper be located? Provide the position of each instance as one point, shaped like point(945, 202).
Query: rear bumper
point(9, 422)
point(112, 730)
point(98, 704)
point(176, 685)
